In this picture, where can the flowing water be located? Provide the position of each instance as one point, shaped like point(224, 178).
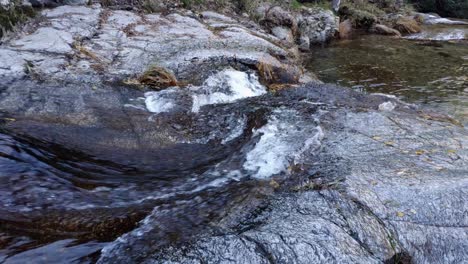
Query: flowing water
point(428, 68)
point(231, 144)
point(57, 203)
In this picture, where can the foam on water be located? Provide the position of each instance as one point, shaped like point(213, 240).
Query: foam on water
point(161, 101)
point(441, 34)
point(281, 144)
point(226, 86)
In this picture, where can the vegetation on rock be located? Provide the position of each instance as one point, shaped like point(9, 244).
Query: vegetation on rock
point(13, 14)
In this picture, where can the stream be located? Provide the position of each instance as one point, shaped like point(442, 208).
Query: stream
point(429, 68)
point(227, 145)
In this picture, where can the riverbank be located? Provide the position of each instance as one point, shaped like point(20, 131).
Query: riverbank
point(188, 136)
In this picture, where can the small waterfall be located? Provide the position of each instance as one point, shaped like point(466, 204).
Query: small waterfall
point(225, 86)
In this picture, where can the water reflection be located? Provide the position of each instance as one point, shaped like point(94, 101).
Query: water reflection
point(420, 71)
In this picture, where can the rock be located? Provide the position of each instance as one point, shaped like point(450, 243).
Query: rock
point(384, 30)
point(318, 25)
point(346, 29)
point(407, 25)
point(13, 13)
point(55, 3)
point(4, 3)
point(387, 106)
point(434, 19)
point(90, 43)
point(304, 43)
point(279, 22)
point(283, 33)
point(356, 183)
point(277, 16)
point(346, 206)
point(213, 16)
point(45, 40)
point(360, 18)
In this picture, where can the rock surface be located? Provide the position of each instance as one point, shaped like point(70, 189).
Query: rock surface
point(316, 25)
point(384, 30)
point(311, 174)
point(90, 44)
point(384, 186)
point(308, 26)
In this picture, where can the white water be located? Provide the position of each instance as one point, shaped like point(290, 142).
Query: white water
point(225, 87)
point(441, 34)
point(158, 102)
point(281, 144)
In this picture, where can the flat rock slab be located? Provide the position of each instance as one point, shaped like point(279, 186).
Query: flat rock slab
point(92, 41)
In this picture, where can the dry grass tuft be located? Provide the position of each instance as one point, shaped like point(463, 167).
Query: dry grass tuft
point(158, 77)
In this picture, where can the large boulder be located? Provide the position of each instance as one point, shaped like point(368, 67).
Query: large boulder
point(316, 26)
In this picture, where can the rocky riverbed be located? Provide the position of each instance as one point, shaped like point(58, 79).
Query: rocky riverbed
point(187, 137)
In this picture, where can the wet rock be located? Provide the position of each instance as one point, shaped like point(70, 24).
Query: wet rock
point(346, 29)
point(384, 30)
point(316, 25)
point(349, 206)
point(355, 183)
point(407, 26)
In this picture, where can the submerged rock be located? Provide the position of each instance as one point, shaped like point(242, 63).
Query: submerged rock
point(384, 30)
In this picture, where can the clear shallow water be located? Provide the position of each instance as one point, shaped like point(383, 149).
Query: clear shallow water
point(431, 73)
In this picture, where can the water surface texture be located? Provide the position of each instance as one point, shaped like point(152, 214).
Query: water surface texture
point(418, 69)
